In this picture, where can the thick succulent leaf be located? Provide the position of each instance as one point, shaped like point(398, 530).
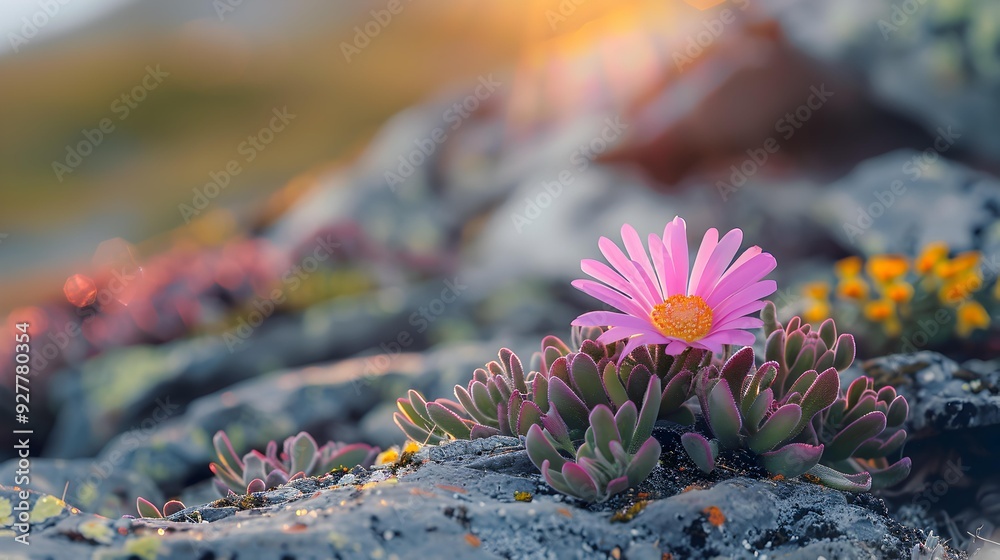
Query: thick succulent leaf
point(700, 450)
point(297, 476)
point(147, 509)
point(587, 380)
point(778, 428)
point(821, 394)
point(774, 347)
point(555, 343)
point(540, 449)
point(723, 416)
point(887, 477)
point(643, 462)
point(845, 352)
point(275, 478)
point(483, 399)
point(255, 466)
point(529, 415)
point(851, 437)
point(615, 486)
point(511, 413)
point(828, 332)
point(758, 409)
point(898, 411)
point(559, 369)
point(172, 507)
point(604, 429)
point(825, 361)
point(540, 392)
point(793, 459)
point(880, 447)
point(626, 419)
point(583, 485)
point(224, 451)
point(683, 416)
point(637, 382)
point(514, 369)
point(647, 414)
point(770, 317)
point(256, 485)
point(226, 477)
point(415, 432)
point(803, 382)
point(613, 385)
point(302, 453)
point(806, 362)
point(886, 394)
point(469, 405)
point(572, 410)
point(556, 426)
point(860, 482)
point(348, 456)
point(676, 393)
point(866, 405)
point(448, 421)
point(793, 346)
point(478, 431)
point(738, 367)
point(418, 404)
point(856, 390)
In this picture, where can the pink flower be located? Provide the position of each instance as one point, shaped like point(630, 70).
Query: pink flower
point(661, 303)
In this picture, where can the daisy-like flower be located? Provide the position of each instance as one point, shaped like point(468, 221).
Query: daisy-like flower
point(662, 303)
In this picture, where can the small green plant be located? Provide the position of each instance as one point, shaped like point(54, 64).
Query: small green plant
point(300, 457)
point(147, 509)
point(618, 451)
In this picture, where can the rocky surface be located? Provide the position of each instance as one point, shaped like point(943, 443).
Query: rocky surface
point(460, 498)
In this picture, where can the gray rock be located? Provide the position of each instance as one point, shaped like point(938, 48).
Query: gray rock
point(457, 505)
point(940, 397)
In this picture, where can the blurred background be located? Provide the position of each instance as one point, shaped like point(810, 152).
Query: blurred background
point(267, 218)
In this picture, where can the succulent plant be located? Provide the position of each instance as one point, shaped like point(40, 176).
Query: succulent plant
point(300, 457)
point(618, 449)
point(861, 429)
point(742, 409)
point(797, 348)
point(147, 509)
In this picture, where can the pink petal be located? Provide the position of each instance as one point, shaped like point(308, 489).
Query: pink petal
point(611, 319)
point(649, 283)
point(736, 279)
point(626, 269)
point(743, 322)
point(661, 262)
point(717, 263)
point(619, 333)
point(751, 307)
point(637, 253)
point(740, 337)
point(611, 297)
point(747, 255)
point(708, 244)
point(675, 238)
point(747, 295)
point(633, 343)
point(604, 273)
point(676, 347)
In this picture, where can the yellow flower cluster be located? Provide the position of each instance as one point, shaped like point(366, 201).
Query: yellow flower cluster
point(884, 286)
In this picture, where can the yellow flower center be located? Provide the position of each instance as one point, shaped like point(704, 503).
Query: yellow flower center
point(687, 318)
